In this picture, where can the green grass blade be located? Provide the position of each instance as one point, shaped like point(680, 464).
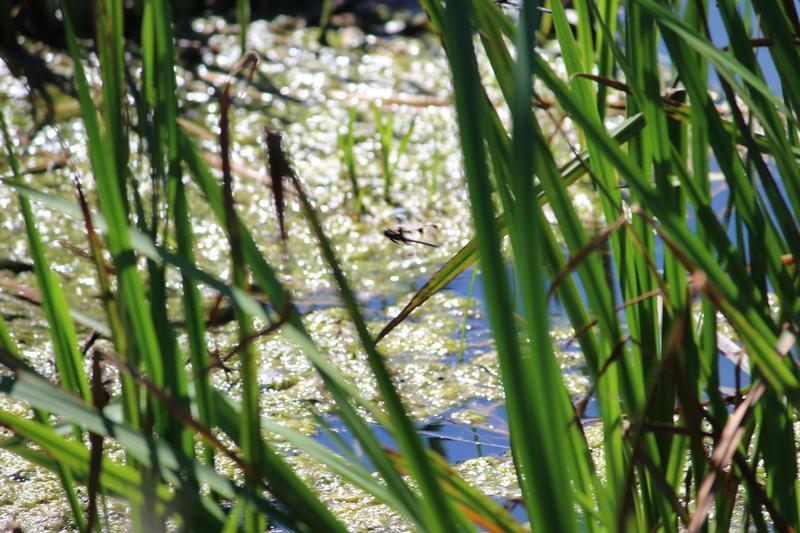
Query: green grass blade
point(727, 66)
point(545, 458)
point(164, 104)
point(293, 329)
point(69, 360)
point(139, 320)
point(468, 98)
point(243, 19)
point(403, 144)
point(117, 480)
point(775, 136)
point(110, 45)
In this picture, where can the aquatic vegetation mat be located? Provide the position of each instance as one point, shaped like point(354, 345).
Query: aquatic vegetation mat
point(531, 268)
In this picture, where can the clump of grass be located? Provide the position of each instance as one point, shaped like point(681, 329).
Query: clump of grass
point(390, 156)
point(347, 141)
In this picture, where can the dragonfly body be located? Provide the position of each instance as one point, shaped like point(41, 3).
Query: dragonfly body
point(399, 236)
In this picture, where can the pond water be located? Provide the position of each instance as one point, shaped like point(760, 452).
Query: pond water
point(308, 90)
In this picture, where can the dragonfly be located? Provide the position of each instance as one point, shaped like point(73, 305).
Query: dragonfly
point(400, 236)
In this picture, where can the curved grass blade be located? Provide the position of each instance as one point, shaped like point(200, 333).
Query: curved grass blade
point(727, 65)
point(473, 503)
point(65, 475)
point(293, 329)
point(306, 510)
point(138, 318)
point(69, 361)
point(28, 386)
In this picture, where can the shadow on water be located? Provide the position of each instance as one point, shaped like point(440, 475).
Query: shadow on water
point(455, 441)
